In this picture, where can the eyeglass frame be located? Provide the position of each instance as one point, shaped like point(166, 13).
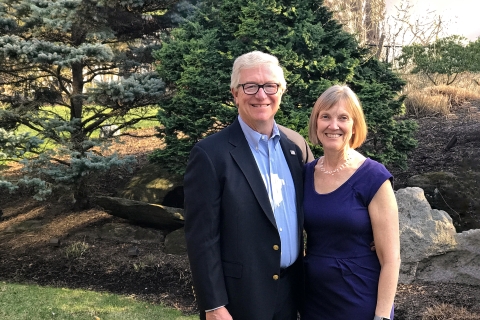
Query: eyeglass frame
point(258, 87)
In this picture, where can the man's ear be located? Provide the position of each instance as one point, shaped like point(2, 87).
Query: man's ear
point(235, 95)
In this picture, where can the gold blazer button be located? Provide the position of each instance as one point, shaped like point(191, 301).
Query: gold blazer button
point(276, 247)
point(275, 277)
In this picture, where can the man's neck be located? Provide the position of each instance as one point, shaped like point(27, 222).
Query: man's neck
point(263, 127)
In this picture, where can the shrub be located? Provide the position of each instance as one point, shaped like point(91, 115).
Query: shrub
point(196, 62)
point(76, 250)
point(51, 55)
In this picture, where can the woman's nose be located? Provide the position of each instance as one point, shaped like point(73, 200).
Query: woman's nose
point(333, 124)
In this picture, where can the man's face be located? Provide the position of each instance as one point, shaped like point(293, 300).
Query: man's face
point(258, 110)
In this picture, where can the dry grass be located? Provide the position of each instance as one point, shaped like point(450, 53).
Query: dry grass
point(456, 96)
point(448, 312)
point(423, 99)
point(421, 104)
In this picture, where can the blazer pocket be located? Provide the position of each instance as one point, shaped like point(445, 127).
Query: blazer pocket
point(232, 269)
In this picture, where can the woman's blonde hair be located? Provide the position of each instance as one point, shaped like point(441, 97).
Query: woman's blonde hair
point(330, 98)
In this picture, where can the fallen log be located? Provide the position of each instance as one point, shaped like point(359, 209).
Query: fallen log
point(151, 215)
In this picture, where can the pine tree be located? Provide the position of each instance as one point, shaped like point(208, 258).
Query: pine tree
point(314, 52)
point(67, 68)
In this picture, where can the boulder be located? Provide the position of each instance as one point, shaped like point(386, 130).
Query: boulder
point(151, 215)
point(459, 266)
point(152, 184)
point(129, 233)
point(175, 242)
point(424, 232)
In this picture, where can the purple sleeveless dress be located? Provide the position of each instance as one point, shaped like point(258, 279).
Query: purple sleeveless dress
point(341, 271)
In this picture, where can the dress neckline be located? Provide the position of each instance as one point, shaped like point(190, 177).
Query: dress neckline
point(340, 186)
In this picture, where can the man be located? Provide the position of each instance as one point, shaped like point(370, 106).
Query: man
point(243, 196)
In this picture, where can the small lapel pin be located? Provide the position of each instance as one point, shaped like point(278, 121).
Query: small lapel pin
point(292, 152)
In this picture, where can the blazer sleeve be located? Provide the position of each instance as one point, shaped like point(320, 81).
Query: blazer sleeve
point(203, 192)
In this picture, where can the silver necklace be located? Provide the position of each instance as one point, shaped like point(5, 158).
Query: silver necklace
point(332, 172)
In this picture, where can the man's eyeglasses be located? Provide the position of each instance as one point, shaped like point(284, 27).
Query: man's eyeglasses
point(252, 88)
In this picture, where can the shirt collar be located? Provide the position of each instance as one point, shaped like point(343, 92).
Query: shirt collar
point(253, 137)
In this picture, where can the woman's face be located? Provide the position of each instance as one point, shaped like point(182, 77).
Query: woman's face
point(335, 127)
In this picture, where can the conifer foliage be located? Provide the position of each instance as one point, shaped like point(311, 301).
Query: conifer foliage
point(54, 55)
point(314, 52)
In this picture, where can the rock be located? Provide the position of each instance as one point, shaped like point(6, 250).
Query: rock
point(459, 266)
point(151, 184)
point(109, 130)
point(54, 242)
point(175, 242)
point(128, 233)
point(424, 232)
point(151, 215)
point(133, 252)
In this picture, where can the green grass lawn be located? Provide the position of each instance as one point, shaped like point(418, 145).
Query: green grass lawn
point(32, 302)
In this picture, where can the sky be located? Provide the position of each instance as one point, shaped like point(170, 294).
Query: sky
point(462, 17)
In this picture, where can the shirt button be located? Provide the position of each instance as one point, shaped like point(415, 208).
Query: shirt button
point(280, 229)
point(275, 277)
point(276, 247)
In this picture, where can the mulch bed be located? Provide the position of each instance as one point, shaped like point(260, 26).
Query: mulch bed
point(153, 276)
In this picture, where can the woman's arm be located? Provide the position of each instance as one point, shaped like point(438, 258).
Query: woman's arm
point(383, 212)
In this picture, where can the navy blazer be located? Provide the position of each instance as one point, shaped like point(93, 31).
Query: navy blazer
point(232, 238)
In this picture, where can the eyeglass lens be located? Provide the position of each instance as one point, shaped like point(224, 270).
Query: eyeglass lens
point(252, 88)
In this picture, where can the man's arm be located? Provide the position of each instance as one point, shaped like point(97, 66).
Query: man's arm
point(202, 230)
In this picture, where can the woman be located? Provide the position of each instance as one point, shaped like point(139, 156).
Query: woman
point(349, 202)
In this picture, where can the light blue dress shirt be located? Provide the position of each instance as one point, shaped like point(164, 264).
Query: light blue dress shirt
point(279, 184)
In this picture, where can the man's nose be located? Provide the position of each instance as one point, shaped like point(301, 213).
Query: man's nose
point(261, 93)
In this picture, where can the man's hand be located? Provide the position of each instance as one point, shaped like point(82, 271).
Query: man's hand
point(219, 314)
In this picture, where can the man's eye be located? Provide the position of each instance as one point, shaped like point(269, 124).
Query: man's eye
point(250, 86)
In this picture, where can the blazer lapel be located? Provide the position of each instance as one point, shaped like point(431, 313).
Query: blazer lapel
point(243, 156)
